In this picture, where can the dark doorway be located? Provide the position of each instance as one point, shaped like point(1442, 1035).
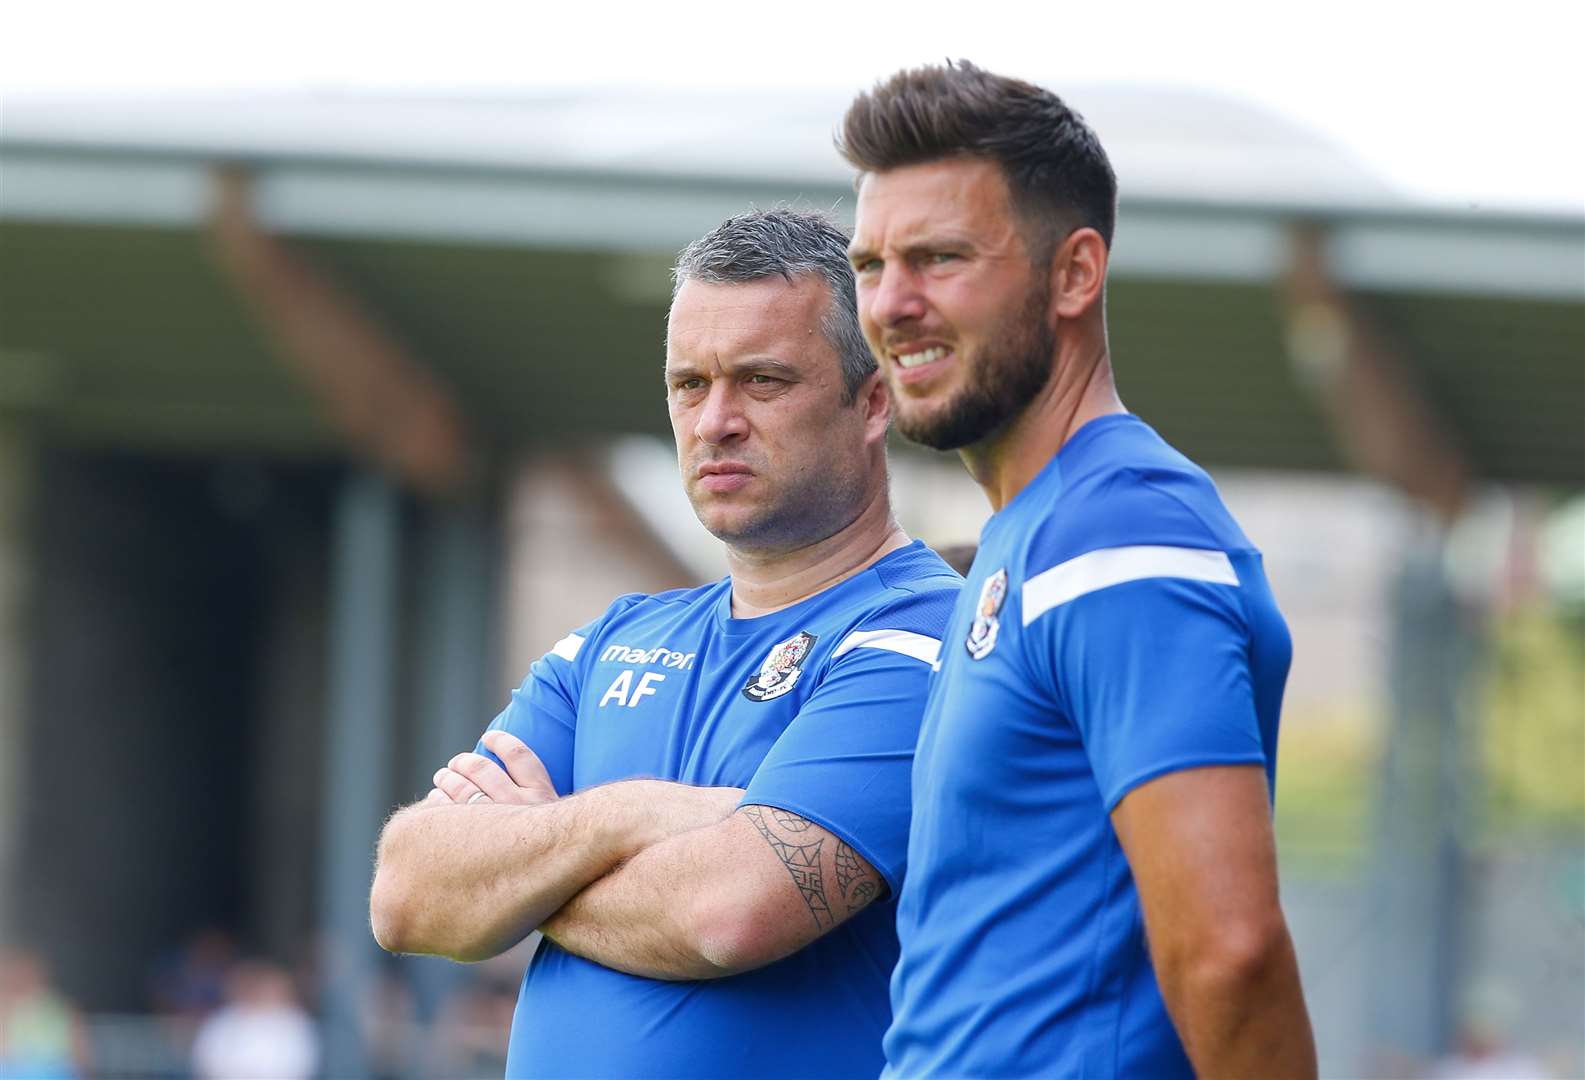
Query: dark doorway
point(177, 659)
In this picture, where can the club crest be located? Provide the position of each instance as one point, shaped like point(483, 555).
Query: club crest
point(781, 669)
point(987, 621)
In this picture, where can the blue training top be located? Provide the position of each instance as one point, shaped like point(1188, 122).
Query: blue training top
point(814, 709)
point(1116, 626)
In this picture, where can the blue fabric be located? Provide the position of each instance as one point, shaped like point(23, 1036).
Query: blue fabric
point(657, 688)
point(1023, 947)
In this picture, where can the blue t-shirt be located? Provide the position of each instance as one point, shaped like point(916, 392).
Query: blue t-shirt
point(814, 709)
point(1116, 626)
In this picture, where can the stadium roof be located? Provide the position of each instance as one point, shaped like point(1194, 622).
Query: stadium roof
point(1167, 145)
point(517, 243)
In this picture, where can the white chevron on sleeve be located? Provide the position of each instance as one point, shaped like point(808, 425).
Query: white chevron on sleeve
point(567, 648)
point(918, 646)
point(1113, 566)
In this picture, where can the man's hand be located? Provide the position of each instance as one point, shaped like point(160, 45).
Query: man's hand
point(469, 778)
point(491, 852)
point(1199, 843)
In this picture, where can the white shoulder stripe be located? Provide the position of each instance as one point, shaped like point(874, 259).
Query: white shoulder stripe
point(906, 642)
point(567, 648)
point(1113, 566)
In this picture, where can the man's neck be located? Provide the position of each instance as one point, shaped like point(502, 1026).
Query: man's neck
point(1080, 390)
point(763, 583)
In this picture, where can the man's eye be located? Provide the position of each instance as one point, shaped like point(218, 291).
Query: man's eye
point(690, 384)
point(938, 257)
point(763, 380)
point(865, 266)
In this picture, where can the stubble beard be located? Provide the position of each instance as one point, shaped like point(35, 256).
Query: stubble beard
point(805, 512)
point(999, 389)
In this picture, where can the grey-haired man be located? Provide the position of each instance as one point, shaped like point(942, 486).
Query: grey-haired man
point(723, 915)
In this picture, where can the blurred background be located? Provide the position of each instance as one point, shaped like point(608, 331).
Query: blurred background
point(330, 349)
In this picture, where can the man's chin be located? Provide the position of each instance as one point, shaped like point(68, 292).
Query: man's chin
point(730, 528)
point(936, 429)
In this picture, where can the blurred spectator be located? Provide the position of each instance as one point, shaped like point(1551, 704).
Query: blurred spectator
point(261, 1032)
point(390, 1027)
point(1477, 1059)
point(190, 982)
point(41, 1035)
point(1482, 1054)
point(472, 1029)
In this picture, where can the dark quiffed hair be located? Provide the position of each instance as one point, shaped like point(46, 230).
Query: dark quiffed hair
point(1055, 167)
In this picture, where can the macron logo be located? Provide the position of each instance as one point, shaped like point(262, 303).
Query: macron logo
point(627, 654)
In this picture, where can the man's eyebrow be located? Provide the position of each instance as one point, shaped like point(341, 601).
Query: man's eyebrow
point(923, 245)
point(764, 365)
point(754, 365)
point(926, 245)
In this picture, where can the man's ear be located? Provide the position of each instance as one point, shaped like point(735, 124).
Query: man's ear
point(1078, 274)
point(875, 398)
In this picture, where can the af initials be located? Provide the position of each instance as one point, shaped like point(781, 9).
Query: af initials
point(623, 692)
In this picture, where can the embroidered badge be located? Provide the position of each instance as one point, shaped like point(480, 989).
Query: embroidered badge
point(982, 635)
point(781, 669)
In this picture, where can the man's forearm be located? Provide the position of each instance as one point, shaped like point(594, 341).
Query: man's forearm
point(641, 918)
point(1200, 845)
point(748, 891)
point(1241, 1019)
point(471, 881)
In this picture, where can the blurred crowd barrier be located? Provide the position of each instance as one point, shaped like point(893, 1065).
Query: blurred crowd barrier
point(216, 1014)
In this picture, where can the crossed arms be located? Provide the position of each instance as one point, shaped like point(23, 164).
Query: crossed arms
point(644, 876)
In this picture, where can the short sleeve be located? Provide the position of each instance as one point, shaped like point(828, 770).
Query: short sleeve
point(845, 761)
point(1155, 674)
point(543, 711)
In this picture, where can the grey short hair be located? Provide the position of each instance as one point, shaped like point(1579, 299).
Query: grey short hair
point(787, 243)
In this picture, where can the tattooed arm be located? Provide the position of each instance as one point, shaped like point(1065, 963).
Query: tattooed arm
point(799, 844)
point(719, 900)
point(764, 883)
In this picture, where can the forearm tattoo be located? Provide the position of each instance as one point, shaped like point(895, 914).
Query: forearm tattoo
point(787, 834)
point(801, 860)
point(859, 883)
point(849, 869)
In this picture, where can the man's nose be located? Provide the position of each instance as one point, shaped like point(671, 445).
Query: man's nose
point(721, 416)
point(895, 298)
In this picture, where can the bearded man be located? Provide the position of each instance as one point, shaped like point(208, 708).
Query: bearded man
point(1092, 878)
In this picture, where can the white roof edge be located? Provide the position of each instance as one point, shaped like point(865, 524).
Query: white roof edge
point(626, 209)
point(32, 149)
point(1167, 143)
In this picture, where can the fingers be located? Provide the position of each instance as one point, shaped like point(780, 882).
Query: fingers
point(484, 775)
point(522, 764)
point(469, 777)
point(454, 787)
